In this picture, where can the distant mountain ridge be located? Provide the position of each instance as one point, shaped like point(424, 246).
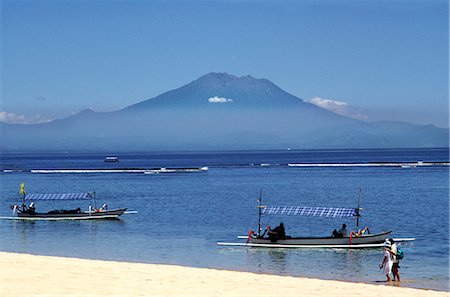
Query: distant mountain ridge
point(218, 111)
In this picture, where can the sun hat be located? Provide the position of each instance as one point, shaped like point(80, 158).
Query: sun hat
point(387, 243)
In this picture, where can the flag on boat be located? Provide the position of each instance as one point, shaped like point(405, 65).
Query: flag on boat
point(22, 189)
point(329, 212)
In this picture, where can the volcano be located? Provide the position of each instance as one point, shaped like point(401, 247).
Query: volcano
point(218, 111)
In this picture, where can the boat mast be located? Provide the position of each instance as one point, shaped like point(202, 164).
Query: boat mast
point(259, 212)
point(358, 209)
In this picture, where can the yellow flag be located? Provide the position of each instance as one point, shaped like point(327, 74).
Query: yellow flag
point(22, 189)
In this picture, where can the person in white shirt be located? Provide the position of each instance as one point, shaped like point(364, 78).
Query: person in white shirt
point(386, 265)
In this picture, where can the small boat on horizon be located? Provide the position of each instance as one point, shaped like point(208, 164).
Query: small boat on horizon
point(111, 159)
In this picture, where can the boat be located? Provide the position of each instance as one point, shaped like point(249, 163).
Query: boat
point(355, 239)
point(112, 159)
point(75, 214)
point(24, 212)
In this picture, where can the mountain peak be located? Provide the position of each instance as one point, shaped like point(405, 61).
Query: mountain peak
point(87, 111)
point(84, 113)
point(214, 88)
point(224, 76)
point(226, 80)
point(217, 75)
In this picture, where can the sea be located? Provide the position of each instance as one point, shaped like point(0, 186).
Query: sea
point(181, 216)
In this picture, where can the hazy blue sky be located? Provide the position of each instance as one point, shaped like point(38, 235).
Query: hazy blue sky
point(384, 59)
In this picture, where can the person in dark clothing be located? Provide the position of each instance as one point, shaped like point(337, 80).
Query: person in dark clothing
point(277, 233)
point(32, 208)
point(341, 233)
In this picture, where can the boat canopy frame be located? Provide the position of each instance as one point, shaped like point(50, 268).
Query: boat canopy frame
point(328, 212)
point(60, 196)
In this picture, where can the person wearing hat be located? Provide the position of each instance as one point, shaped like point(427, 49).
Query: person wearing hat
point(386, 265)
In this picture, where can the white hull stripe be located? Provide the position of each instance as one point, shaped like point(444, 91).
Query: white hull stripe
point(344, 246)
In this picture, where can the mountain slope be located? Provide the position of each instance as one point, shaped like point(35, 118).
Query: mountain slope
point(243, 91)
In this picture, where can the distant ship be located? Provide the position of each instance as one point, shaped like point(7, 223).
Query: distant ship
point(112, 159)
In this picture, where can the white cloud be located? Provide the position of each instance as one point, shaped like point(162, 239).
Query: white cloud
point(328, 104)
point(13, 118)
point(216, 99)
point(339, 107)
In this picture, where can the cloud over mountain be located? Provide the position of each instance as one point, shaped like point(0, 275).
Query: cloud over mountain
point(339, 107)
point(216, 99)
point(14, 118)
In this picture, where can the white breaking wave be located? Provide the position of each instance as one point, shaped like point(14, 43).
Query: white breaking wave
point(395, 164)
point(146, 171)
point(88, 171)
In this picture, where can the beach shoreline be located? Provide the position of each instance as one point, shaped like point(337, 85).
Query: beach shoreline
point(35, 275)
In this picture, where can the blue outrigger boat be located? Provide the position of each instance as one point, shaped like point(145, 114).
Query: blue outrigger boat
point(362, 238)
point(24, 212)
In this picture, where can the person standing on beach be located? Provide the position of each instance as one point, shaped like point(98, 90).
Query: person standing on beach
point(395, 261)
point(386, 265)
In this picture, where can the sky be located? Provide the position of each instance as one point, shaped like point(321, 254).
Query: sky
point(372, 60)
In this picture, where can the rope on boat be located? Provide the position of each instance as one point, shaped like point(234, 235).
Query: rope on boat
point(351, 236)
point(250, 234)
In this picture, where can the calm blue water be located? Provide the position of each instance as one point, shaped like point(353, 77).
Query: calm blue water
point(182, 216)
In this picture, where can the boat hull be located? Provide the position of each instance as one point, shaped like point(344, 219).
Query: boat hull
point(322, 241)
point(86, 215)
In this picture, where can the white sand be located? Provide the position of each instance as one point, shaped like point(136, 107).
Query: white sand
point(29, 275)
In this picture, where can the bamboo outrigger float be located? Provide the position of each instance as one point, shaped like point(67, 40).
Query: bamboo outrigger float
point(359, 239)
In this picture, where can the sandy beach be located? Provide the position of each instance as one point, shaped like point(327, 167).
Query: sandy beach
point(30, 275)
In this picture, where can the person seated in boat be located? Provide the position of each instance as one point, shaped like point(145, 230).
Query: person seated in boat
point(32, 208)
point(341, 233)
point(363, 231)
point(277, 233)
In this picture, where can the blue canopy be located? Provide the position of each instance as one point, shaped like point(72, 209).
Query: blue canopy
point(66, 196)
point(329, 212)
